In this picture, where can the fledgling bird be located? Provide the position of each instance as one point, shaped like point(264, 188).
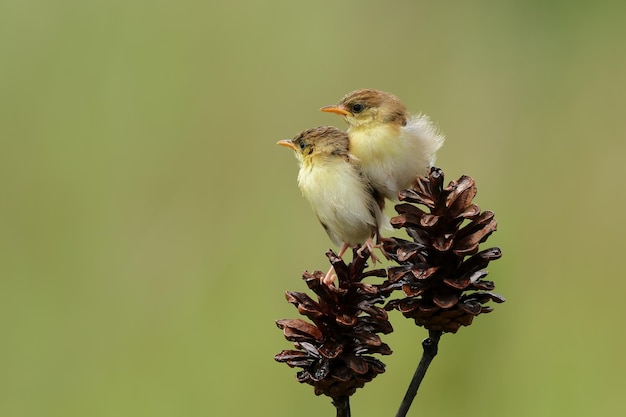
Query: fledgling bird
point(330, 178)
point(393, 147)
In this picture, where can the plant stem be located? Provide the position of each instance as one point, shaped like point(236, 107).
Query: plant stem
point(342, 404)
point(430, 346)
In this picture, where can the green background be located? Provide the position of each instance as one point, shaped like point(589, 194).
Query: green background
point(149, 226)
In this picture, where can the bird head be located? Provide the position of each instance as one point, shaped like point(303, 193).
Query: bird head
point(368, 108)
point(318, 141)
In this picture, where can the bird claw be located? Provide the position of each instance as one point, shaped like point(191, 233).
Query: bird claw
point(370, 246)
point(329, 278)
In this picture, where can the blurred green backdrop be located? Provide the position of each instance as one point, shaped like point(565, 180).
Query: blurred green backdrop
point(149, 226)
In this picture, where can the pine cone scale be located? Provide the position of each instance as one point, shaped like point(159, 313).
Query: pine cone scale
point(445, 289)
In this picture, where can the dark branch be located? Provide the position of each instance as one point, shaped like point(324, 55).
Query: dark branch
point(342, 404)
point(430, 346)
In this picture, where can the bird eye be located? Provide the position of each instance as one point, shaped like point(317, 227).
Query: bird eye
point(302, 145)
point(357, 108)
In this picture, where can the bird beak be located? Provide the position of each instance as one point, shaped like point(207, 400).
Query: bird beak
point(335, 109)
point(286, 143)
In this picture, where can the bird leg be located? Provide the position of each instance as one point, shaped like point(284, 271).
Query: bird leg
point(369, 245)
point(330, 276)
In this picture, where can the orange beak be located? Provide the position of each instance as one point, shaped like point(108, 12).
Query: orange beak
point(286, 143)
point(335, 109)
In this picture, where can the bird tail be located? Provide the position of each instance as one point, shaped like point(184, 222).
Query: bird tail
point(429, 137)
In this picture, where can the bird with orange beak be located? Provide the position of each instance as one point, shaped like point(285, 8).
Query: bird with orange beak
point(330, 178)
point(393, 146)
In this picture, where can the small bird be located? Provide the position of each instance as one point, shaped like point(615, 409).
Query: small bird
point(330, 178)
point(393, 147)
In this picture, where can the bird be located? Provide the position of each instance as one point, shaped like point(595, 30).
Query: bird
point(331, 180)
point(394, 147)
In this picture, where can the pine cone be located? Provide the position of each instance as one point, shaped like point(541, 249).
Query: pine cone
point(333, 351)
point(441, 271)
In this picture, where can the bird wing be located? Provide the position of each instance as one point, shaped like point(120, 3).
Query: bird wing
point(333, 236)
point(377, 201)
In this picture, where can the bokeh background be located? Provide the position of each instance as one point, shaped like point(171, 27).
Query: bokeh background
point(149, 226)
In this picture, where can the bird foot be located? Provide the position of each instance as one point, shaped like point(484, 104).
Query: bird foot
point(370, 246)
point(329, 278)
